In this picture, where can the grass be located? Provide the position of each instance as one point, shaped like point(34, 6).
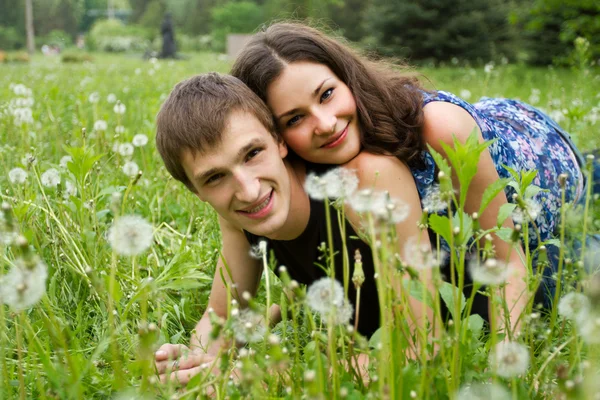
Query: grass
point(92, 334)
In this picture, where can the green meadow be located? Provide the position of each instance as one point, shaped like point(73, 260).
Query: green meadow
point(90, 328)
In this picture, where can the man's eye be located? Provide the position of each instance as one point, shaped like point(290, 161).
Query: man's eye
point(213, 179)
point(253, 153)
point(326, 94)
point(293, 120)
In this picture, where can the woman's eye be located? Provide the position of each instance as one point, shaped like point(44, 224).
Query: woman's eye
point(326, 94)
point(293, 120)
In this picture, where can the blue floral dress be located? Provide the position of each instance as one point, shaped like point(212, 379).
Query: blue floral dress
point(525, 139)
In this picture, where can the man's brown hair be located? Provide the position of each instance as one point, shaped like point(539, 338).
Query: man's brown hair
point(196, 113)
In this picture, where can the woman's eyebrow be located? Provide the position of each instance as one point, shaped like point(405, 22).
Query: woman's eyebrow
point(314, 94)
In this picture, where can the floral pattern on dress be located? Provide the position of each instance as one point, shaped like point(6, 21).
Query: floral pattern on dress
point(526, 139)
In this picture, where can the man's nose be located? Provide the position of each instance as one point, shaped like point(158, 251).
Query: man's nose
point(325, 122)
point(248, 187)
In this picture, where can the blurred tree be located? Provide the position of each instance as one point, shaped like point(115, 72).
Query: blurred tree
point(347, 16)
point(439, 29)
point(551, 26)
point(29, 26)
point(234, 17)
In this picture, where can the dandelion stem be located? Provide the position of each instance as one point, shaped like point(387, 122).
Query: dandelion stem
point(561, 256)
point(19, 337)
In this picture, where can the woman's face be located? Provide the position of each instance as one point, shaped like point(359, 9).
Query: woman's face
point(315, 113)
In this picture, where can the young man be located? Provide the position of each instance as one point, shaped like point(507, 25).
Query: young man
point(217, 137)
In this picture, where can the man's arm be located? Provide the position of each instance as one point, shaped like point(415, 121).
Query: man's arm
point(245, 276)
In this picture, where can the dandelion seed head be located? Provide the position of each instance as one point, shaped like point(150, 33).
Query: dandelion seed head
point(420, 256)
point(126, 149)
point(50, 178)
point(483, 391)
point(119, 129)
point(393, 211)
point(491, 272)
point(111, 98)
point(434, 200)
point(140, 140)
point(29, 159)
point(367, 200)
point(589, 328)
point(315, 187)
point(100, 125)
point(119, 108)
point(574, 305)
point(528, 212)
point(94, 97)
point(340, 315)
point(64, 161)
point(131, 169)
point(24, 285)
point(248, 326)
point(130, 235)
point(70, 189)
point(510, 359)
point(465, 94)
point(324, 294)
point(17, 175)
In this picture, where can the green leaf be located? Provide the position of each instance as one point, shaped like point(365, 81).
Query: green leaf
point(416, 289)
point(505, 211)
point(532, 190)
point(491, 192)
point(375, 338)
point(475, 324)
point(466, 228)
point(447, 292)
point(440, 224)
point(505, 234)
point(440, 161)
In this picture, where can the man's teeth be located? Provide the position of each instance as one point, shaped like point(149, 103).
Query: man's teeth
point(260, 206)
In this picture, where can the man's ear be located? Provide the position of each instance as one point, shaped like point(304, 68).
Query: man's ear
point(283, 150)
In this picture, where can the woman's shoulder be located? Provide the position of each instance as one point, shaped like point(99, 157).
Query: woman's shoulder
point(442, 120)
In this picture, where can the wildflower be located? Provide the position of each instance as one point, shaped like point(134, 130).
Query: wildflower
point(491, 272)
point(94, 97)
point(510, 359)
point(573, 306)
point(100, 125)
point(526, 211)
point(119, 108)
point(111, 98)
point(419, 255)
point(17, 175)
point(130, 235)
point(51, 178)
point(140, 140)
point(24, 285)
point(325, 294)
point(248, 326)
point(367, 200)
point(483, 391)
point(131, 169)
point(29, 159)
point(126, 149)
point(434, 200)
point(465, 94)
point(64, 161)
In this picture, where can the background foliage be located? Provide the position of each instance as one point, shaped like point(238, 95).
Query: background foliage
point(538, 32)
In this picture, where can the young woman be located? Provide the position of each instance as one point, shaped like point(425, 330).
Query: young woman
point(332, 106)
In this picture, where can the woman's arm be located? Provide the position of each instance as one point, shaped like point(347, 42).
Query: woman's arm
point(442, 120)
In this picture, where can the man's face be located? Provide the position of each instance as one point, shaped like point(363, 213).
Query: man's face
point(244, 177)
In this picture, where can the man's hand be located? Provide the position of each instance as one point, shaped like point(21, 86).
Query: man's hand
point(177, 363)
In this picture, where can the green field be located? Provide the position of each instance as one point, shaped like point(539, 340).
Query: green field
point(71, 345)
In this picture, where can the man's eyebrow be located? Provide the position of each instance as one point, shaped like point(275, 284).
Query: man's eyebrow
point(315, 93)
point(201, 177)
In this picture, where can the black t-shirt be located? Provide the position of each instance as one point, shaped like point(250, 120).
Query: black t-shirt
point(301, 257)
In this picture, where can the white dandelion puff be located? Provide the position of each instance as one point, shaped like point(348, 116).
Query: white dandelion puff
point(259, 250)
point(341, 315)
point(573, 306)
point(420, 256)
point(50, 178)
point(527, 212)
point(589, 328)
point(119, 129)
point(29, 159)
point(94, 97)
point(131, 169)
point(111, 98)
point(491, 272)
point(324, 294)
point(392, 211)
point(119, 108)
point(434, 200)
point(126, 149)
point(17, 175)
point(140, 140)
point(64, 161)
point(483, 391)
point(340, 183)
point(100, 125)
point(510, 359)
point(465, 94)
point(315, 187)
point(248, 326)
point(24, 285)
point(367, 200)
point(130, 235)
point(70, 190)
